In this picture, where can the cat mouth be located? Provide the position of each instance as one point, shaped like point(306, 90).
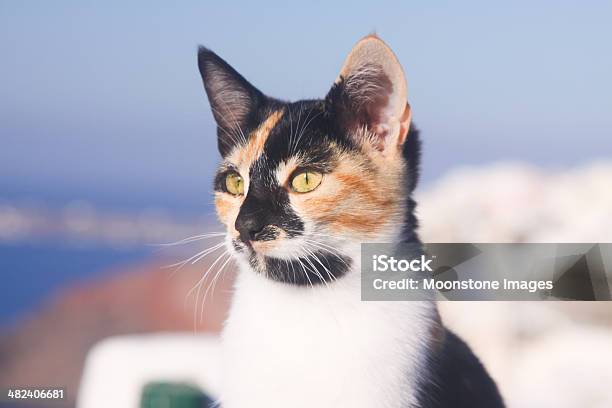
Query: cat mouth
point(248, 248)
point(275, 248)
point(306, 268)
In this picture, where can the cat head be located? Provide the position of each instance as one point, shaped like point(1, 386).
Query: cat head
point(302, 184)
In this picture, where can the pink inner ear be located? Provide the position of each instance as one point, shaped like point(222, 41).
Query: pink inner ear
point(371, 100)
point(381, 131)
point(380, 128)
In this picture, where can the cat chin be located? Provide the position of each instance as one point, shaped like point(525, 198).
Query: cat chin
point(318, 268)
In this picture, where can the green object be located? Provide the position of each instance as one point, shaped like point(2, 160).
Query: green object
point(173, 395)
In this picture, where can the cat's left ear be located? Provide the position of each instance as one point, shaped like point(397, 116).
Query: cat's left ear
point(234, 101)
point(368, 99)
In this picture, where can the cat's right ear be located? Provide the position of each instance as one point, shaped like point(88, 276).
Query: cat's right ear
point(370, 94)
point(234, 101)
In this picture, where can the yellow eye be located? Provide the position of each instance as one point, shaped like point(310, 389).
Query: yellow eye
point(234, 184)
point(306, 181)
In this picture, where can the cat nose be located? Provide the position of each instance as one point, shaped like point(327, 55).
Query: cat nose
point(250, 227)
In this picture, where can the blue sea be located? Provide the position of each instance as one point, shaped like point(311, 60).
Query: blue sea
point(31, 272)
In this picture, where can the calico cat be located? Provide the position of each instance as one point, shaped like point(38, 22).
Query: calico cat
point(300, 186)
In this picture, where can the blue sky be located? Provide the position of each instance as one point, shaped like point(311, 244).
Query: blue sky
point(104, 99)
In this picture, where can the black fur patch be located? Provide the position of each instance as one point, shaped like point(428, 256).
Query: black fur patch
point(455, 378)
point(266, 204)
point(321, 268)
point(412, 155)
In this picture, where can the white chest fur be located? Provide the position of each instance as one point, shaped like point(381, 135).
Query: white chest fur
point(320, 347)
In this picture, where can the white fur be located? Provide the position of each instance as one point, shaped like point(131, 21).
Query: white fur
point(287, 346)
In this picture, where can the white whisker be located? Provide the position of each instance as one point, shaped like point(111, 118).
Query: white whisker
point(199, 284)
point(191, 239)
point(199, 256)
point(213, 285)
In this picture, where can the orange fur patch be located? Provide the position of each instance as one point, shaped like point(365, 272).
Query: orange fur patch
point(228, 207)
point(360, 196)
point(244, 156)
